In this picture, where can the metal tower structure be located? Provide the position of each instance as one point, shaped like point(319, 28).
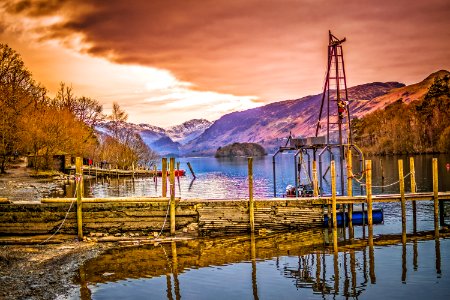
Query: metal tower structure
point(335, 96)
point(335, 102)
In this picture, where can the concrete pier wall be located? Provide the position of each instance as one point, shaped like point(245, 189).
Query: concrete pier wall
point(208, 217)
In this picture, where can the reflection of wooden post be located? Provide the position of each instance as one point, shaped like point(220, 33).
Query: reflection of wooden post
point(318, 269)
point(437, 248)
point(371, 257)
point(333, 194)
point(353, 271)
point(415, 255)
point(172, 195)
point(78, 180)
point(336, 271)
point(250, 194)
point(253, 257)
point(164, 176)
point(369, 191)
point(315, 182)
point(404, 268)
point(402, 197)
point(350, 185)
point(176, 282)
point(435, 197)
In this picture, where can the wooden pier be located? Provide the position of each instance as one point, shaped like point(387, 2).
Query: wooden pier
point(148, 215)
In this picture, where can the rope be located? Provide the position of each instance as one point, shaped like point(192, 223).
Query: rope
point(165, 219)
point(77, 180)
point(384, 186)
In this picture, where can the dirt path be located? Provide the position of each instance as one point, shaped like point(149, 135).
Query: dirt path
point(18, 186)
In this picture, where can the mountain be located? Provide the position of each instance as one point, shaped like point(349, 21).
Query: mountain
point(188, 131)
point(165, 141)
point(269, 125)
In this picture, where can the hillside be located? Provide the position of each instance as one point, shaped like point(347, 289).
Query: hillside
point(269, 125)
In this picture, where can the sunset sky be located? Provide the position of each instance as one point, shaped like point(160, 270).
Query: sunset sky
point(168, 61)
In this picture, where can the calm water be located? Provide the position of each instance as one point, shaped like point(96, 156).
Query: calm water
point(227, 178)
point(279, 266)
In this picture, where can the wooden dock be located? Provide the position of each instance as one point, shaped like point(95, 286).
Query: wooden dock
point(102, 172)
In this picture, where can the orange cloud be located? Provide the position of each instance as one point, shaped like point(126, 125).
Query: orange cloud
point(273, 50)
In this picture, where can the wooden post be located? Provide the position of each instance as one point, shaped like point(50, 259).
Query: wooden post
point(250, 194)
point(132, 171)
point(402, 196)
point(164, 176)
point(172, 195)
point(333, 193)
point(78, 180)
point(412, 170)
point(190, 169)
point(315, 182)
point(350, 184)
point(369, 191)
point(178, 169)
point(435, 197)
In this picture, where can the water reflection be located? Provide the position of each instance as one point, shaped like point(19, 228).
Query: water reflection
point(284, 265)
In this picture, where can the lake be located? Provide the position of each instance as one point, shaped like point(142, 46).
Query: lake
point(368, 265)
point(226, 178)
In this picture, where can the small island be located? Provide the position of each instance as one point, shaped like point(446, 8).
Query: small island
point(241, 149)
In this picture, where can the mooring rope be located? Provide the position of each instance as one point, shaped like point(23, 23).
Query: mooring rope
point(165, 218)
point(77, 180)
point(383, 186)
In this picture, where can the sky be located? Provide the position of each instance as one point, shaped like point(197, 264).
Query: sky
point(169, 61)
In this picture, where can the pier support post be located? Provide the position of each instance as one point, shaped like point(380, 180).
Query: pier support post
point(349, 184)
point(250, 194)
point(402, 197)
point(172, 195)
point(333, 193)
point(190, 169)
point(435, 197)
point(164, 176)
point(78, 180)
point(315, 182)
point(412, 170)
point(369, 191)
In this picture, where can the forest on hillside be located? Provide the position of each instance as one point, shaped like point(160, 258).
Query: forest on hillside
point(422, 126)
point(36, 124)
